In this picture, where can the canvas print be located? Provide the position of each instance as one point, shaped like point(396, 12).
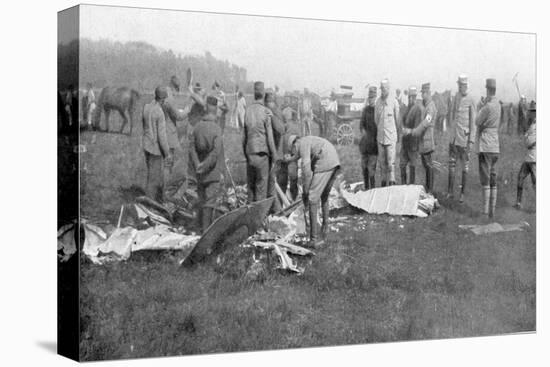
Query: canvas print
point(241, 183)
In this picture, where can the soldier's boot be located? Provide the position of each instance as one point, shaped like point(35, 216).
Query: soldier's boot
point(519, 196)
point(463, 185)
point(404, 175)
point(451, 185)
point(486, 196)
point(366, 179)
point(324, 227)
point(372, 181)
point(432, 180)
point(493, 201)
point(314, 240)
point(412, 175)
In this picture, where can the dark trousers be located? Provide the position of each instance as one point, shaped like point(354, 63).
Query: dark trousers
point(155, 178)
point(208, 193)
point(257, 171)
point(527, 168)
point(487, 169)
point(368, 166)
point(287, 174)
point(427, 162)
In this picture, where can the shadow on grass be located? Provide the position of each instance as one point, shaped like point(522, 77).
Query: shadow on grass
point(48, 345)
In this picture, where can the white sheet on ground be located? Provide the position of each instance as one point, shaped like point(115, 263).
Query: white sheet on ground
point(394, 200)
point(479, 229)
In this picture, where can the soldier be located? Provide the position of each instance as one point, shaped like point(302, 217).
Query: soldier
point(386, 114)
point(487, 123)
point(206, 150)
point(278, 133)
point(461, 117)
point(241, 107)
point(155, 144)
point(522, 115)
point(368, 146)
point(258, 144)
point(172, 115)
point(425, 131)
point(320, 166)
point(411, 118)
point(529, 165)
point(306, 112)
point(287, 175)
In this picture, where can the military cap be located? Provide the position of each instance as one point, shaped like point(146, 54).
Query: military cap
point(292, 139)
point(175, 82)
point(533, 106)
point(385, 83)
point(161, 93)
point(211, 100)
point(491, 83)
point(426, 87)
point(413, 91)
point(462, 79)
point(197, 86)
point(259, 87)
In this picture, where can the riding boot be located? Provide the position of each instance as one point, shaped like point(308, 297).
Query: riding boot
point(486, 196)
point(314, 226)
point(366, 179)
point(412, 176)
point(519, 196)
point(493, 201)
point(372, 181)
point(324, 227)
point(451, 186)
point(463, 185)
point(432, 180)
point(404, 175)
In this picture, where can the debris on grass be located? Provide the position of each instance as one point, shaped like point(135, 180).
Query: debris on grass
point(479, 229)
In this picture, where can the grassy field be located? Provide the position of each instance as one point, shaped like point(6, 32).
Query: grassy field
point(379, 278)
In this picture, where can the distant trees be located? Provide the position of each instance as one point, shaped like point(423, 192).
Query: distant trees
point(142, 66)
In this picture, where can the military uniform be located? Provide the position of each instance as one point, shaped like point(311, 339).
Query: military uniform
point(206, 148)
point(462, 135)
point(411, 118)
point(320, 166)
point(386, 114)
point(368, 146)
point(425, 131)
point(278, 133)
point(529, 165)
point(258, 146)
point(287, 175)
point(487, 123)
point(155, 146)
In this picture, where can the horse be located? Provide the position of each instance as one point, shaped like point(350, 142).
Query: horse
point(121, 99)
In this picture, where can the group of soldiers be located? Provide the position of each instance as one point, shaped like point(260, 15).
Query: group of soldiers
point(274, 143)
point(383, 125)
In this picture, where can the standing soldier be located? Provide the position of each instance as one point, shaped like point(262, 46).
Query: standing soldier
point(368, 147)
point(522, 115)
point(306, 112)
point(320, 166)
point(411, 118)
point(89, 106)
point(386, 114)
point(206, 151)
point(529, 166)
point(287, 176)
point(425, 131)
point(258, 144)
point(172, 115)
point(487, 123)
point(155, 145)
point(241, 107)
point(461, 119)
point(278, 133)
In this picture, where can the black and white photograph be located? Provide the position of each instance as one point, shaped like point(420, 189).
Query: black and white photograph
point(232, 183)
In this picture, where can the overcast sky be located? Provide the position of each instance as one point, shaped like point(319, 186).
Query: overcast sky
point(320, 55)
